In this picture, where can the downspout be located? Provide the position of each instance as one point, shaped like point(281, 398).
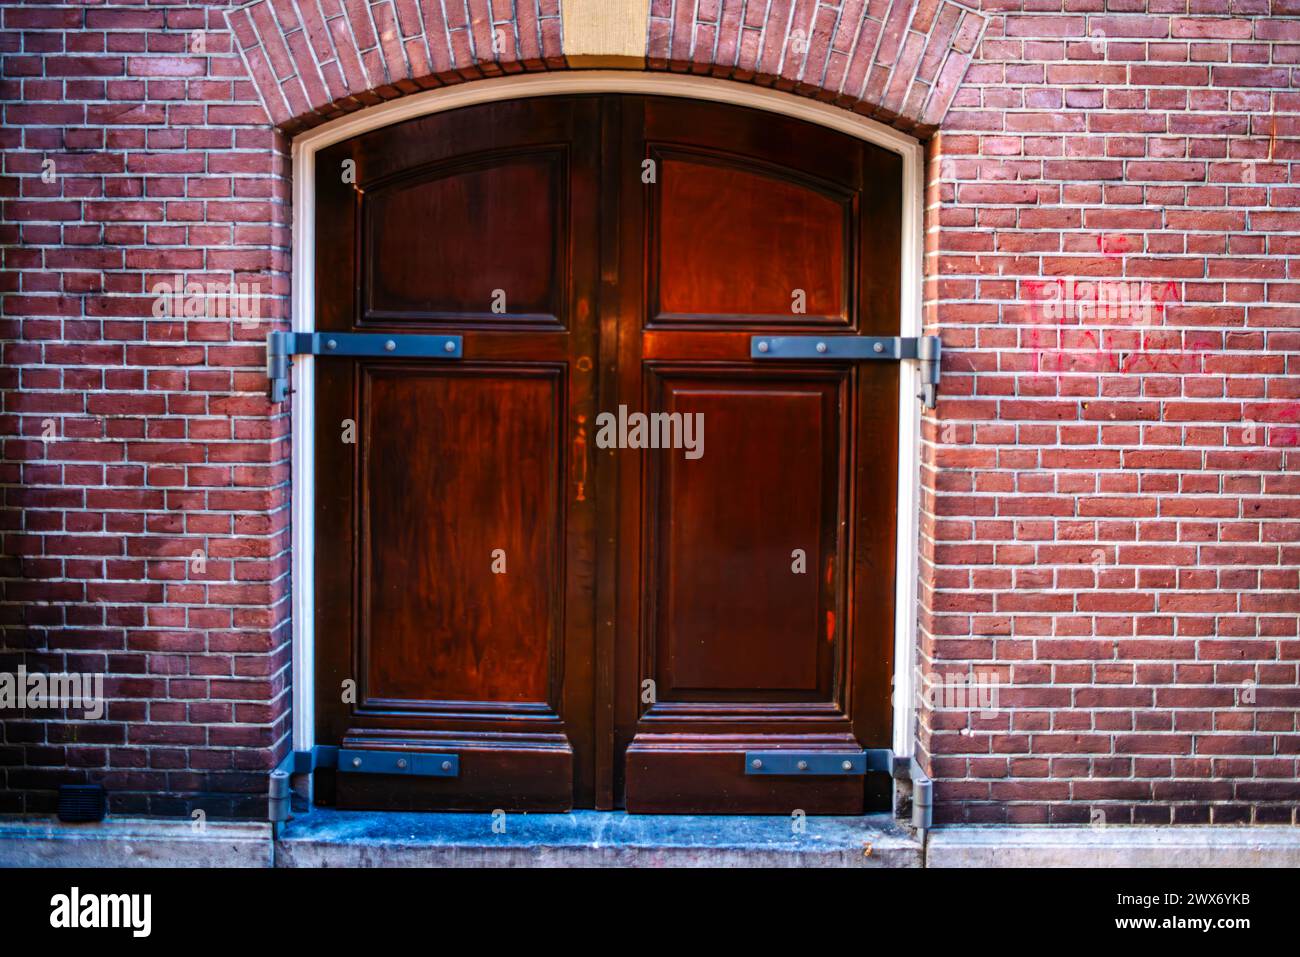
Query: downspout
point(279, 792)
point(909, 769)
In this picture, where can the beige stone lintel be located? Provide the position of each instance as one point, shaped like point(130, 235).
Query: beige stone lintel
point(605, 33)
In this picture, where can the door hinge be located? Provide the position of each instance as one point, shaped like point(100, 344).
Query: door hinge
point(925, 350)
point(419, 763)
point(373, 761)
point(842, 763)
point(282, 346)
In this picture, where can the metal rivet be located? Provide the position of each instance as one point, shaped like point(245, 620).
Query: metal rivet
point(821, 347)
point(390, 345)
point(762, 347)
point(449, 346)
point(756, 763)
point(847, 765)
point(446, 765)
point(878, 347)
point(803, 765)
point(332, 344)
point(356, 762)
point(401, 762)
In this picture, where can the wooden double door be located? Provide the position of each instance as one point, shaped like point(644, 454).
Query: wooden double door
point(502, 576)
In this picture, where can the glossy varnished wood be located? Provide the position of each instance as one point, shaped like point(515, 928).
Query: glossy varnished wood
point(649, 627)
point(743, 652)
point(736, 240)
point(461, 463)
point(458, 532)
point(721, 527)
point(468, 219)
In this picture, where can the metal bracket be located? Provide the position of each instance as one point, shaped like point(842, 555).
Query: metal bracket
point(842, 763)
point(924, 349)
point(370, 761)
point(321, 756)
point(282, 346)
point(819, 762)
point(418, 763)
point(295, 762)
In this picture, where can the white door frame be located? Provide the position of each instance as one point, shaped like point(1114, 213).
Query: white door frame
point(305, 148)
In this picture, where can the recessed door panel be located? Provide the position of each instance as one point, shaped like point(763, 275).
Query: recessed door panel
point(464, 465)
point(451, 242)
point(743, 565)
point(735, 240)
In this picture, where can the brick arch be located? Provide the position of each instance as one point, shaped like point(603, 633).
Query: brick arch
point(898, 61)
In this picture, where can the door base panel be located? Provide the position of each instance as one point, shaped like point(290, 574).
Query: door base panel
point(493, 775)
point(667, 779)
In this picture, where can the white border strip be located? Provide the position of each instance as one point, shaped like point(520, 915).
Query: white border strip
point(305, 148)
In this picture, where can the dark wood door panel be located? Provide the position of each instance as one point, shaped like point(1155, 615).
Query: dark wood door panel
point(746, 651)
point(463, 608)
point(510, 772)
point(457, 536)
point(759, 136)
point(790, 159)
point(744, 583)
point(667, 774)
point(467, 134)
point(420, 224)
point(737, 650)
point(473, 260)
point(734, 240)
point(440, 445)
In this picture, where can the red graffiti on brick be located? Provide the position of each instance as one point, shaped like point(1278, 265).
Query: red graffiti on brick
point(1113, 246)
point(1064, 304)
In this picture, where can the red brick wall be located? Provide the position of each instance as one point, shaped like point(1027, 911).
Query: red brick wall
point(899, 62)
point(1102, 530)
point(160, 440)
point(318, 59)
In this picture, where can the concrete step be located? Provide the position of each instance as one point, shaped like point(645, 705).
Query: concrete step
point(327, 838)
point(1117, 846)
point(134, 842)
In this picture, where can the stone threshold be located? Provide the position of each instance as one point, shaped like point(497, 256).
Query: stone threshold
point(328, 838)
point(1190, 846)
point(134, 842)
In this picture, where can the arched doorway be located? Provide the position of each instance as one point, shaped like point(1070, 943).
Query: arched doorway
point(587, 626)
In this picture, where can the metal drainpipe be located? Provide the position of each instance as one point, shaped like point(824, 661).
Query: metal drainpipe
point(278, 792)
point(922, 801)
point(909, 769)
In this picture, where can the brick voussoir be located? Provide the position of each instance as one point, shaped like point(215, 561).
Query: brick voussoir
point(315, 59)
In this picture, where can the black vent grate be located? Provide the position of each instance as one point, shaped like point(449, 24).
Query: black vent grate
point(82, 802)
